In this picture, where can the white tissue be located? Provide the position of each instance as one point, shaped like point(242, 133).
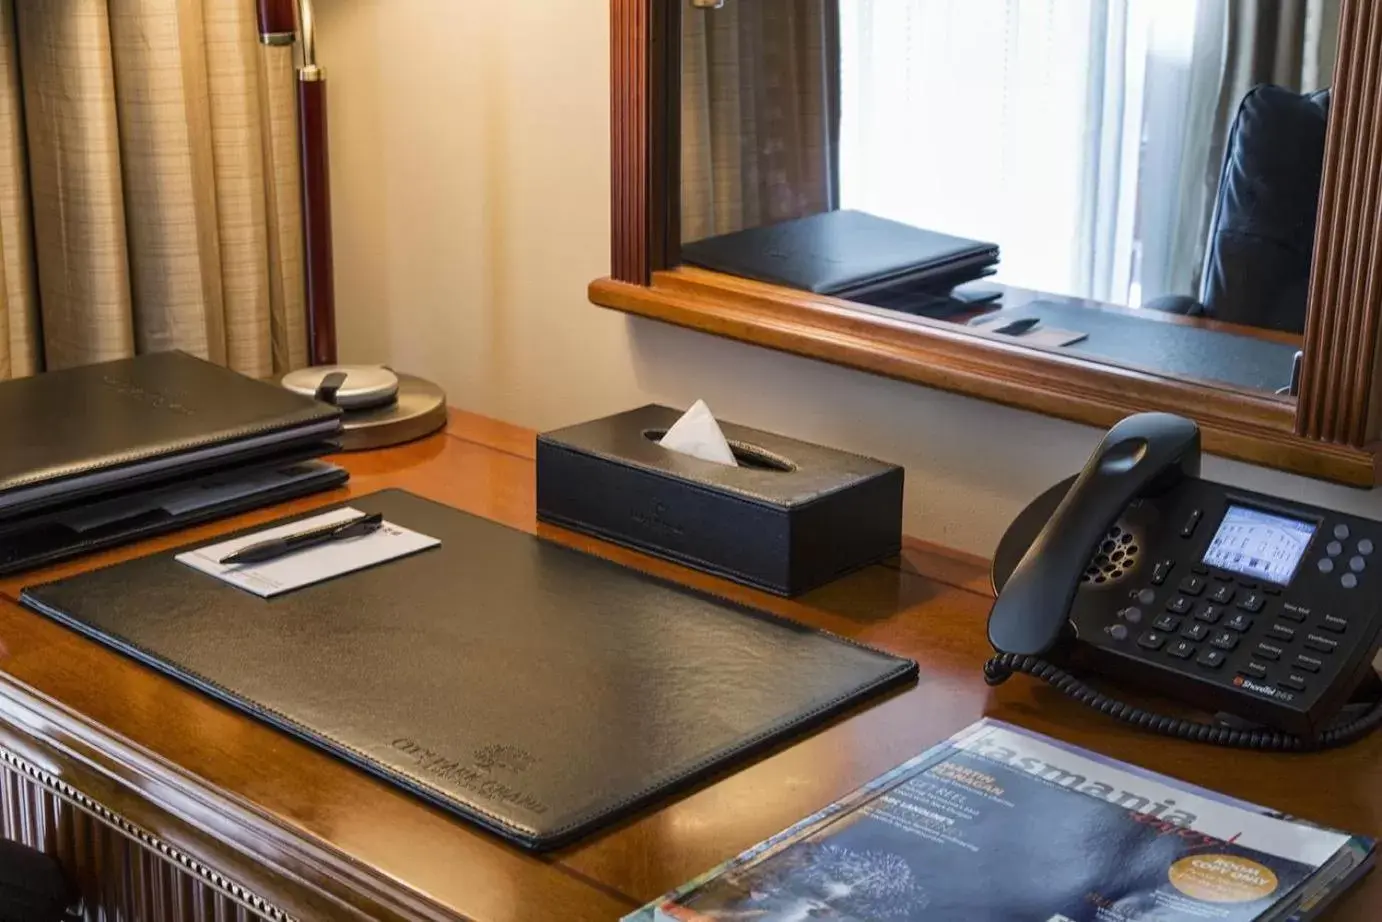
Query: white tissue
point(698, 435)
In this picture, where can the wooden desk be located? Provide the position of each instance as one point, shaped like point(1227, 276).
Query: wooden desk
point(171, 806)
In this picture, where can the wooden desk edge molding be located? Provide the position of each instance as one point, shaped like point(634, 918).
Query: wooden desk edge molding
point(1332, 431)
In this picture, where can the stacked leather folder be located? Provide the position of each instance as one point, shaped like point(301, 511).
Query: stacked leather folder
point(108, 453)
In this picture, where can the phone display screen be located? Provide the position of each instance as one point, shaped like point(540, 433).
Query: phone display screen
point(1257, 544)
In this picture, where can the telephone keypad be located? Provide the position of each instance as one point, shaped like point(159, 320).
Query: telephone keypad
point(1224, 640)
point(1240, 623)
point(1210, 614)
point(1168, 623)
point(1195, 631)
point(1152, 640)
point(1212, 658)
point(1221, 593)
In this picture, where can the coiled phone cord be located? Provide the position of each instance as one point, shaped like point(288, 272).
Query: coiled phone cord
point(1001, 667)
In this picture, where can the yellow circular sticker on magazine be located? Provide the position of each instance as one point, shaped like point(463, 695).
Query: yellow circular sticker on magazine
point(1223, 879)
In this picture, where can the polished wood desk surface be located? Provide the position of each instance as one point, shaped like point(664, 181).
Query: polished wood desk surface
point(323, 840)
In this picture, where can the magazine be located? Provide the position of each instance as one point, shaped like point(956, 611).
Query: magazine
point(1000, 824)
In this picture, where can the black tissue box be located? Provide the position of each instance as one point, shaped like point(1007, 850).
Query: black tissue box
point(791, 517)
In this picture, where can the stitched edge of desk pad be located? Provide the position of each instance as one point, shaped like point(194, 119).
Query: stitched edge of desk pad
point(462, 807)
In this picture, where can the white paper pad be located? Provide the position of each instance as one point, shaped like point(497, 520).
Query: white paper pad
point(312, 565)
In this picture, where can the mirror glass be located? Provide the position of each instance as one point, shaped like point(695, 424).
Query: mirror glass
point(1132, 181)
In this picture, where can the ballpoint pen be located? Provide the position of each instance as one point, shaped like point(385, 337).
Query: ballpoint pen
point(274, 548)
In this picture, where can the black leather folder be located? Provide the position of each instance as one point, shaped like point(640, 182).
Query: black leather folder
point(535, 690)
point(104, 428)
point(844, 253)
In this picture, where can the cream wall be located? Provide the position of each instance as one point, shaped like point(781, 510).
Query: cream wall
point(470, 184)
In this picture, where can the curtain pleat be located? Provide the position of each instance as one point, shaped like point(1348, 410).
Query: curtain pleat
point(74, 174)
point(287, 279)
point(237, 140)
point(162, 101)
point(21, 349)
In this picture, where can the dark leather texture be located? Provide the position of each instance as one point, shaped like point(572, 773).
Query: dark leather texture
point(1170, 349)
point(43, 539)
point(791, 517)
point(1262, 236)
point(842, 253)
point(97, 428)
point(535, 690)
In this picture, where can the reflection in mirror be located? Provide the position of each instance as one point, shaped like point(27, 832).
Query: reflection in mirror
point(1132, 181)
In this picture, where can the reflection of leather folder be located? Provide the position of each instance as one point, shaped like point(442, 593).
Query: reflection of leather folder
point(530, 688)
point(99, 429)
point(844, 253)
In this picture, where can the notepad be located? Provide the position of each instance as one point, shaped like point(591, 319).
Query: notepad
point(273, 577)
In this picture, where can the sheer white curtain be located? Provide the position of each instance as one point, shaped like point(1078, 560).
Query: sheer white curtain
point(1072, 133)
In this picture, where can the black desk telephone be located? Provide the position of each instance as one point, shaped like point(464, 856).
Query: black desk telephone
point(1265, 610)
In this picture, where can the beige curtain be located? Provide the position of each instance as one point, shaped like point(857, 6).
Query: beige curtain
point(154, 144)
point(759, 113)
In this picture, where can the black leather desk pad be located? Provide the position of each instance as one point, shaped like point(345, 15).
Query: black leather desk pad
point(533, 689)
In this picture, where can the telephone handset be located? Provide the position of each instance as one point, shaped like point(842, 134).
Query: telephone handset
point(1266, 610)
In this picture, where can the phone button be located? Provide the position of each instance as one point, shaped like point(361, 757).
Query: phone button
point(1224, 640)
point(1118, 632)
point(1194, 585)
point(1202, 569)
point(1181, 649)
point(1152, 640)
point(1132, 614)
point(1255, 670)
point(1341, 531)
point(1365, 546)
point(1326, 565)
point(1167, 623)
point(1179, 604)
point(1239, 622)
point(1210, 614)
point(1252, 602)
point(1322, 644)
point(1161, 571)
point(1308, 663)
point(1333, 549)
point(1334, 624)
point(1267, 651)
point(1211, 658)
point(1294, 612)
point(1222, 593)
point(1146, 597)
point(1195, 631)
point(1188, 528)
point(1357, 564)
point(1348, 581)
point(1282, 631)
point(1293, 681)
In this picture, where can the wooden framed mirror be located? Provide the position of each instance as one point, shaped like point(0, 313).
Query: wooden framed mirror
point(1326, 423)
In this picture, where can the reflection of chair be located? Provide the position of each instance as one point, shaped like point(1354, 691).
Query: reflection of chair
point(1257, 268)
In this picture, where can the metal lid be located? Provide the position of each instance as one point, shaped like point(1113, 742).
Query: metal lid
point(350, 387)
